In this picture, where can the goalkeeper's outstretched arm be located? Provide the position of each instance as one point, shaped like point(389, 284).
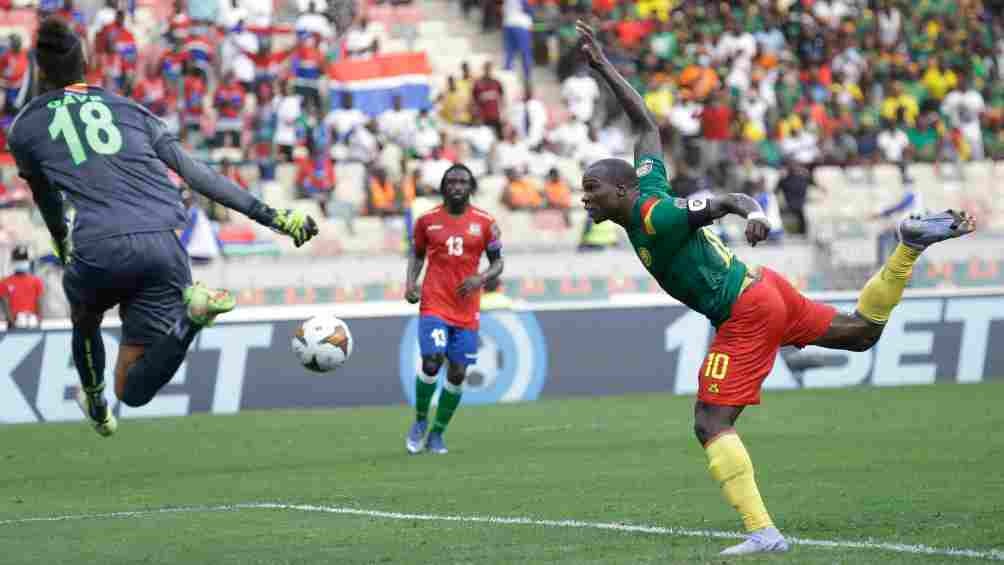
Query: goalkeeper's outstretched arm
point(204, 180)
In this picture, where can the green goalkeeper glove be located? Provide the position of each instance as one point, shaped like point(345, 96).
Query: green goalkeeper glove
point(296, 224)
point(62, 250)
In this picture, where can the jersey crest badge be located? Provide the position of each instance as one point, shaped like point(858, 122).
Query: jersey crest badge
point(645, 255)
point(698, 204)
point(644, 169)
point(474, 229)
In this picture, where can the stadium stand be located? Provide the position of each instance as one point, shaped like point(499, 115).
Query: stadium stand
point(881, 102)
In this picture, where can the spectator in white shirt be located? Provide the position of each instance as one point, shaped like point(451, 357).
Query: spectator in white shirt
point(343, 120)
point(890, 23)
point(895, 146)
point(685, 119)
point(568, 136)
point(511, 153)
point(529, 119)
point(964, 105)
point(427, 136)
point(735, 44)
point(361, 40)
point(391, 160)
point(398, 123)
point(850, 62)
point(363, 145)
point(479, 137)
point(431, 171)
point(581, 93)
point(831, 12)
point(313, 21)
point(312, 5)
point(802, 146)
point(770, 39)
point(591, 151)
point(288, 111)
point(613, 139)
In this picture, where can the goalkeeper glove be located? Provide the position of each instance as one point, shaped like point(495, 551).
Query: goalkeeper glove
point(294, 223)
point(61, 247)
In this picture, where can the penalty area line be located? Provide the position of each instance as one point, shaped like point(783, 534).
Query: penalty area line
point(992, 554)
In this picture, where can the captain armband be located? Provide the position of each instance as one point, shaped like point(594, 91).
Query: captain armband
point(494, 252)
point(698, 211)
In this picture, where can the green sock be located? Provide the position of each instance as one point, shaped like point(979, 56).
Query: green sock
point(423, 395)
point(449, 398)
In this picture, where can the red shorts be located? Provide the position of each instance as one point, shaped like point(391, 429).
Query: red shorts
point(768, 314)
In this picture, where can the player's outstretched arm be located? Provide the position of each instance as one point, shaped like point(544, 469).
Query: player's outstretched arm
point(757, 224)
point(649, 142)
point(219, 188)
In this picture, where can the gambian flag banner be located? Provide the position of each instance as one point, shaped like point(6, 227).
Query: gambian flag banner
point(375, 81)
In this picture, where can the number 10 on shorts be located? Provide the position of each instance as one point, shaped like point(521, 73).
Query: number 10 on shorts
point(716, 366)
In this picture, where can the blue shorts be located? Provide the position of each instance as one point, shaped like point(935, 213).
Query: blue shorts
point(144, 273)
point(436, 336)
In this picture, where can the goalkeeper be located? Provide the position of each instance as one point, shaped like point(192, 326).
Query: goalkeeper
point(97, 166)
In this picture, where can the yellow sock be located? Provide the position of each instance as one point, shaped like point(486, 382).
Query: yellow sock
point(883, 291)
point(730, 465)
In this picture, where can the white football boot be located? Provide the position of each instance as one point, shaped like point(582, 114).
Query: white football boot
point(766, 540)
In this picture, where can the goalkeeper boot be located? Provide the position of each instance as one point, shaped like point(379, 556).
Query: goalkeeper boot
point(98, 413)
point(415, 442)
point(436, 444)
point(205, 303)
point(766, 540)
point(921, 230)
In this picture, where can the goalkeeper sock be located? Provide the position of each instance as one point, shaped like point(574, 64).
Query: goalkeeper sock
point(448, 401)
point(89, 358)
point(425, 387)
point(730, 465)
point(885, 289)
point(159, 362)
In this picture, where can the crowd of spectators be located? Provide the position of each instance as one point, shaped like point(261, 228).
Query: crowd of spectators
point(734, 86)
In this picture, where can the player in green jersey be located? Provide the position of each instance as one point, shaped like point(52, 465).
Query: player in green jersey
point(755, 311)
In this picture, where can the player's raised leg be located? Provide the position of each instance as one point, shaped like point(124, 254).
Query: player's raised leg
point(137, 382)
point(162, 317)
point(885, 289)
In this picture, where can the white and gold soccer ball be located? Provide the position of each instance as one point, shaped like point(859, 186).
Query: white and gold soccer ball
point(323, 343)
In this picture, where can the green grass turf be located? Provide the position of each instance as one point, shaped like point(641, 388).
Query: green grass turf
point(911, 465)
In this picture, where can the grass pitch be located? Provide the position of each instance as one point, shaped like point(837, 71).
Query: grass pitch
point(908, 465)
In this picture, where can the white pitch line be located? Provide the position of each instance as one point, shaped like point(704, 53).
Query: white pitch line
point(993, 554)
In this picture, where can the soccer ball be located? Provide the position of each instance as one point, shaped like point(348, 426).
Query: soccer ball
point(323, 343)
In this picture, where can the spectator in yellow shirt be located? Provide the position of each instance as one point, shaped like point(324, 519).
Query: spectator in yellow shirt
point(938, 81)
point(658, 8)
point(454, 103)
point(898, 101)
point(659, 97)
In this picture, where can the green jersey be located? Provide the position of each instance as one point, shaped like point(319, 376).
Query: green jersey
point(669, 235)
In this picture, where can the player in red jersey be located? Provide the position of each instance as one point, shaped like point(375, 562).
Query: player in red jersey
point(453, 237)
